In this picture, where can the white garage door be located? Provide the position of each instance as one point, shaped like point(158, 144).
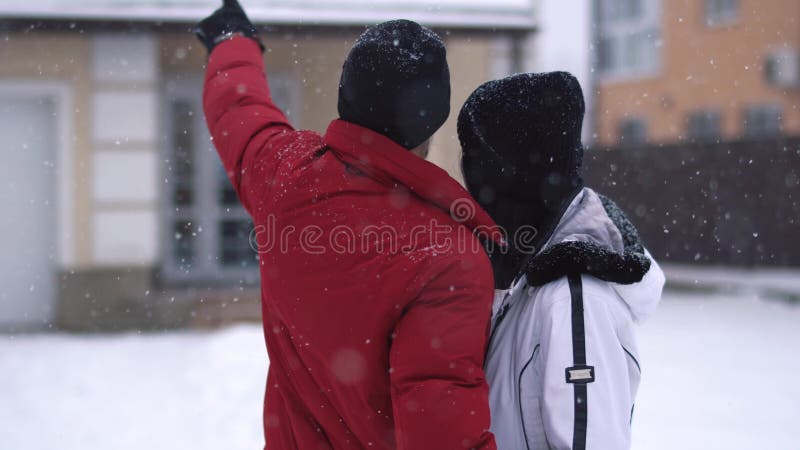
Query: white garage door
point(27, 210)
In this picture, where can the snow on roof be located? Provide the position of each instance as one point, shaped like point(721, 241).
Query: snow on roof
point(502, 14)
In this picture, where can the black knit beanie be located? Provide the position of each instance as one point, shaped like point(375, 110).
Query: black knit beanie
point(522, 153)
point(396, 82)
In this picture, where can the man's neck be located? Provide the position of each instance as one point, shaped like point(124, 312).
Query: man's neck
point(422, 149)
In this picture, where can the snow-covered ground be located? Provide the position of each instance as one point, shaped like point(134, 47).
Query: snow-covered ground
point(719, 372)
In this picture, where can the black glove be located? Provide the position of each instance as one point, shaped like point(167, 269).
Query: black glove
point(225, 23)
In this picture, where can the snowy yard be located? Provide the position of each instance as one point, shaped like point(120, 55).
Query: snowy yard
point(719, 372)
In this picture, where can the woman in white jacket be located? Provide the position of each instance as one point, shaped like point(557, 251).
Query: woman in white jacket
point(562, 365)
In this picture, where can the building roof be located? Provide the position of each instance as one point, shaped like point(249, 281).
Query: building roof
point(500, 14)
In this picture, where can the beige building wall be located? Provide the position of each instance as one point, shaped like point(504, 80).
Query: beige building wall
point(469, 59)
point(316, 60)
point(706, 67)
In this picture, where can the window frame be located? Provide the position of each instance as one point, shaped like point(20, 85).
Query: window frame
point(625, 30)
point(206, 211)
point(639, 121)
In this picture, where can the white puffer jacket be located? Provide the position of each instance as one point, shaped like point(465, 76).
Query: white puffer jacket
point(563, 366)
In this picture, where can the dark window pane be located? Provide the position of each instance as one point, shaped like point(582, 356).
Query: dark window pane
point(631, 9)
point(703, 126)
point(620, 10)
point(720, 12)
point(226, 194)
point(762, 121)
point(182, 168)
point(632, 132)
point(234, 243)
point(605, 55)
point(183, 247)
point(283, 89)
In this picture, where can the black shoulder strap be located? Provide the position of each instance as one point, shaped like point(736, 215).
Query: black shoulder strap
point(579, 375)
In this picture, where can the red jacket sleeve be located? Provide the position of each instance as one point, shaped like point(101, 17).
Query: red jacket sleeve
point(439, 393)
point(244, 122)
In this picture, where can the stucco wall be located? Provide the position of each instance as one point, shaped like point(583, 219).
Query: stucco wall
point(706, 67)
point(469, 60)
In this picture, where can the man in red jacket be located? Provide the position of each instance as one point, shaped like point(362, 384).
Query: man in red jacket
point(376, 292)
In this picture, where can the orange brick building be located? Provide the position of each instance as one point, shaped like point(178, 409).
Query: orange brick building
point(696, 70)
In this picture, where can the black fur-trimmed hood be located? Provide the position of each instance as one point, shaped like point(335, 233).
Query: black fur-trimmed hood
point(594, 237)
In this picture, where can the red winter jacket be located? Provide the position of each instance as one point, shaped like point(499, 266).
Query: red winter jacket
point(375, 324)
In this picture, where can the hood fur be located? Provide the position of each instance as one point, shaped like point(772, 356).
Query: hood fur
point(595, 238)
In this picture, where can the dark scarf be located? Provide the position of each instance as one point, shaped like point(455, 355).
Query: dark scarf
point(536, 211)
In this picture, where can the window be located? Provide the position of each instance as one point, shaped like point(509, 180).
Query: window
point(703, 126)
point(721, 12)
point(632, 132)
point(762, 121)
point(782, 68)
point(207, 231)
point(629, 37)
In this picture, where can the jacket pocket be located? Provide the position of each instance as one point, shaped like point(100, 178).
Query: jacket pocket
point(634, 374)
point(632, 359)
point(530, 414)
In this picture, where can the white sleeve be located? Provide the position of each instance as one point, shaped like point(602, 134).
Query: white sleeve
point(586, 397)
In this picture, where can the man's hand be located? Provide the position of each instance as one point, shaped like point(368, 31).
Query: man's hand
point(228, 21)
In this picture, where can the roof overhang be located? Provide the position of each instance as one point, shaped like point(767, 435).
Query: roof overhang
point(480, 14)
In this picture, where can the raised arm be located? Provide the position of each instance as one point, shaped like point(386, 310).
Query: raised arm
point(439, 393)
point(243, 121)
